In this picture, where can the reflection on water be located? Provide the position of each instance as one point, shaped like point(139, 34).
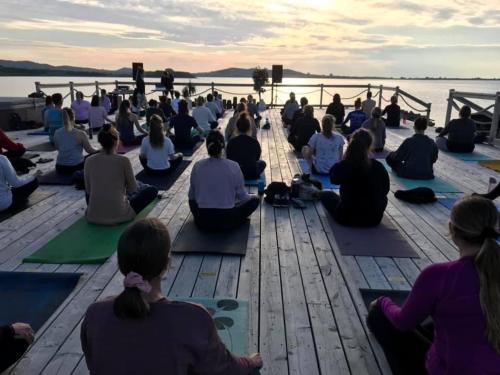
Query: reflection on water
point(435, 92)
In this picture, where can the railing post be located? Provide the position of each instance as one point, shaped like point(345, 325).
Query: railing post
point(116, 84)
point(37, 87)
point(321, 97)
point(72, 91)
point(428, 112)
point(495, 119)
point(449, 108)
point(369, 88)
point(397, 92)
point(380, 96)
point(97, 88)
point(213, 88)
point(272, 95)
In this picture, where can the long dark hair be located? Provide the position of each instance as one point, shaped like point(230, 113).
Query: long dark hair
point(124, 108)
point(156, 135)
point(95, 101)
point(143, 248)
point(215, 143)
point(357, 152)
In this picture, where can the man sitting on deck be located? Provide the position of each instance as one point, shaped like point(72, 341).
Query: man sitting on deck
point(368, 104)
point(81, 109)
point(288, 111)
point(461, 133)
point(416, 155)
point(393, 112)
point(53, 116)
point(356, 118)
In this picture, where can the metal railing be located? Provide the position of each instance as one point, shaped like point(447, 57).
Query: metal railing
point(377, 91)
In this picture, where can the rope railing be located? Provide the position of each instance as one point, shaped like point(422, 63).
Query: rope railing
point(409, 105)
point(348, 98)
point(218, 89)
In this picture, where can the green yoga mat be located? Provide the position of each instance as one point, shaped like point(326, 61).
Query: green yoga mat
point(470, 156)
point(438, 185)
point(231, 320)
point(83, 243)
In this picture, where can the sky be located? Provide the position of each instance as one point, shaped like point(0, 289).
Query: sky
point(448, 38)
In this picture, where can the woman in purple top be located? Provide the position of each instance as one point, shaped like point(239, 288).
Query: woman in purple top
point(141, 332)
point(462, 297)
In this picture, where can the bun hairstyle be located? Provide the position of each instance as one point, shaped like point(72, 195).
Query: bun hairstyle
point(144, 249)
point(108, 138)
point(474, 220)
point(243, 123)
point(327, 124)
point(215, 143)
point(357, 152)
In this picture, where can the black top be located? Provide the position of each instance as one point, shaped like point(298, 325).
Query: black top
point(417, 155)
point(141, 87)
point(303, 129)
point(245, 151)
point(337, 111)
point(167, 109)
point(393, 112)
point(154, 111)
point(363, 193)
point(182, 125)
point(460, 130)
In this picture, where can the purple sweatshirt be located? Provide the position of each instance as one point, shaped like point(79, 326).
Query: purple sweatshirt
point(449, 292)
point(177, 338)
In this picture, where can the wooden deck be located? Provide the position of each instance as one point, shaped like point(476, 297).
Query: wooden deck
point(306, 313)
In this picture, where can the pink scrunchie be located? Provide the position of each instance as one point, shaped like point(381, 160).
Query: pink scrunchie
point(134, 280)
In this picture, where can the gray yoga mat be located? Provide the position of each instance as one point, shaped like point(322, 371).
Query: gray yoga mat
point(36, 197)
point(383, 240)
point(47, 146)
point(193, 240)
point(163, 182)
point(54, 178)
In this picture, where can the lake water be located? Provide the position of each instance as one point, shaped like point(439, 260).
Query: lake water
point(435, 92)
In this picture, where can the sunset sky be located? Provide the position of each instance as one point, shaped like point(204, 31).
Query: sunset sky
point(370, 37)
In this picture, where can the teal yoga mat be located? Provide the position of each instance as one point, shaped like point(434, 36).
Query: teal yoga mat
point(231, 319)
point(471, 156)
point(324, 179)
point(438, 185)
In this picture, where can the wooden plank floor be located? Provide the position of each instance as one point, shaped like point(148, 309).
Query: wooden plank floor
point(306, 314)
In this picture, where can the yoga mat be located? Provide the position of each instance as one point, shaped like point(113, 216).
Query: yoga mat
point(438, 185)
point(383, 240)
point(398, 296)
point(189, 151)
point(33, 199)
point(46, 147)
point(54, 178)
point(324, 179)
point(83, 243)
point(32, 297)
point(29, 155)
point(39, 132)
point(231, 320)
point(471, 156)
point(163, 182)
point(449, 202)
point(193, 240)
point(260, 183)
point(124, 149)
point(380, 155)
point(491, 164)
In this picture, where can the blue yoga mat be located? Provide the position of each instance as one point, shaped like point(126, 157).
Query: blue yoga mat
point(438, 185)
point(231, 319)
point(260, 183)
point(39, 132)
point(449, 202)
point(32, 297)
point(471, 156)
point(324, 179)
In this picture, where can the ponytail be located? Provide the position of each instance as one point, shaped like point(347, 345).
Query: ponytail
point(67, 118)
point(130, 304)
point(215, 143)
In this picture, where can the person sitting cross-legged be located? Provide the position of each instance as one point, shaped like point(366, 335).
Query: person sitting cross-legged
point(245, 150)
point(14, 189)
point(14, 341)
point(376, 125)
point(416, 156)
point(393, 112)
point(355, 119)
point(157, 154)
point(183, 125)
point(461, 296)
point(217, 196)
point(461, 133)
point(303, 129)
point(125, 123)
point(141, 331)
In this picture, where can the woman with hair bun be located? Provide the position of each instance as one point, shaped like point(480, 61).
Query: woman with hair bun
point(462, 297)
point(141, 331)
point(113, 194)
point(217, 195)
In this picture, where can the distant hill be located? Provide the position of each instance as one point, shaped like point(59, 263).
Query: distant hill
point(30, 68)
point(247, 73)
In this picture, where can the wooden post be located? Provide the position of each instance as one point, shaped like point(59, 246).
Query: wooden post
point(397, 92)
point(369, 88)
point(37, 87)
point(97, 88)
point(428, 113)
point(321, 98)
point(213, 88)
point(72, 91)
point(380, 96)
point(449, 108)
point(496, 118)
point(272, 95)
point(116, 84)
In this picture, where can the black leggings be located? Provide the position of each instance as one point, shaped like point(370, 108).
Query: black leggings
point(20, 194)
point(69, 169)
point(160, 172)
point(217, 220)
point(259, 168)
point(12, 350)
point(405, 351)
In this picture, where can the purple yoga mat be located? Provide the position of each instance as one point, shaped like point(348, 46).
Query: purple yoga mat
point(124, 149)
point(380, 155)
point(381, 241)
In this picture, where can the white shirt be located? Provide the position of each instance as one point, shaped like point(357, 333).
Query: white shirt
point(326, 151)
point(9, 180)
point(213, 107)
point(367, 107)
point(158, 158)
point(175, 105)
point(203, 117)
point(97, 115)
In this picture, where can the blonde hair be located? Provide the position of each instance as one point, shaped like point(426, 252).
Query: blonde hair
point(474, 220)
point(68, 118)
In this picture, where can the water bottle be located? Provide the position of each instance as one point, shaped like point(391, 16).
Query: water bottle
point(295, 189)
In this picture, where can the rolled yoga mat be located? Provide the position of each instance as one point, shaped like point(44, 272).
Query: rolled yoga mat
point(54, 178)
point(84, 243)
point(437, 184)
point(324, 179)
point(231, 320)
point(32, 297)
point(491, 164)
point(44, 147)
point(193, 240)
point(163, 182)
point(36, 197)
point(383, 240)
